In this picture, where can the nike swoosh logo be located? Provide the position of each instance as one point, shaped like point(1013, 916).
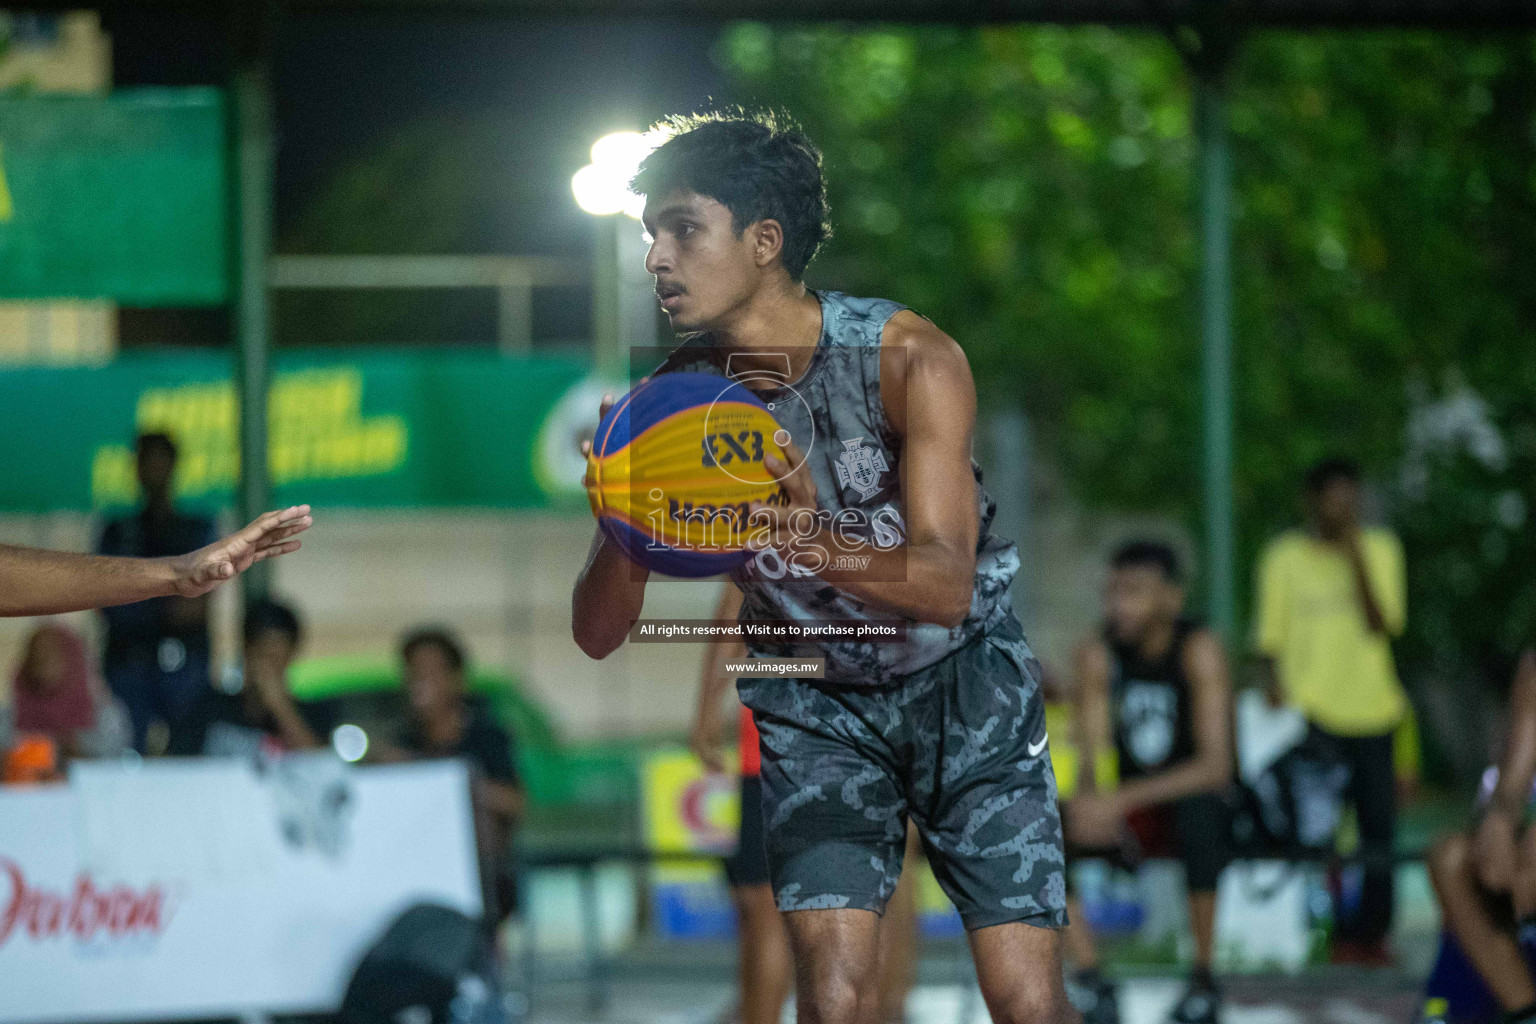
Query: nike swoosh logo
point(1036, 748)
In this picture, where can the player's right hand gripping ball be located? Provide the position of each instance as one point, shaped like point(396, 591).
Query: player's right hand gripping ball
point(673, 467)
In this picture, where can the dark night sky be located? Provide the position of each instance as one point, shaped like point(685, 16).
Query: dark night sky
point(537, 91)
point(547, 87)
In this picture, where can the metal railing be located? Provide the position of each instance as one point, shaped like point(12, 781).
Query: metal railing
point(512, 277)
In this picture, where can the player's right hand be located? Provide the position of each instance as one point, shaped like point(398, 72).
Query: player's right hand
point(586, 446)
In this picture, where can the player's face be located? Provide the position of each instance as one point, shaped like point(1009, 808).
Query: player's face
point(704, 267)
point(1136, 599)
point(431, 681)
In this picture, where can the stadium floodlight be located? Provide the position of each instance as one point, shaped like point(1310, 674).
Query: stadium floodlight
point(602, 187)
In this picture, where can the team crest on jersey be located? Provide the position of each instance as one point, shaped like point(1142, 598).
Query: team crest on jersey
point(860, 467)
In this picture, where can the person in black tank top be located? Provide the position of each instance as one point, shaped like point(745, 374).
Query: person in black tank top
point(1149, 704)
point(1153, 684)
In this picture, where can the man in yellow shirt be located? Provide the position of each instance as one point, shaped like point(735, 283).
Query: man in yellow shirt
point(1331, 597)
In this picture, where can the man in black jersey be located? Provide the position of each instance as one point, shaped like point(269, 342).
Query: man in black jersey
point(1153, 686)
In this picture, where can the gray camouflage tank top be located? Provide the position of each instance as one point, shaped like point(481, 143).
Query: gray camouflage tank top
point(835, 414)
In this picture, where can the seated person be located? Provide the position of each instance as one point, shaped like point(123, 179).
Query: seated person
point(444, 722)
point(1155, 685)
point(253, 713)
point(1485, 881)
point(59, 698)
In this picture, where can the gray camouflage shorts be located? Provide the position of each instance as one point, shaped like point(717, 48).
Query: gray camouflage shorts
point(959, 746)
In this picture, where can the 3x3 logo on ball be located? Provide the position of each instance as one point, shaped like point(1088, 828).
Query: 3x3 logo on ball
point(743, 446)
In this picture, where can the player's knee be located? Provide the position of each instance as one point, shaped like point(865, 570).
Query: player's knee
point(837, 989)
point(1523, 890)
point(1525, 851)
point(841, 996)
point(1034, 1005)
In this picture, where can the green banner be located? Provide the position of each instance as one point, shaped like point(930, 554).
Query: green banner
point(117, 197)
point(376, 429)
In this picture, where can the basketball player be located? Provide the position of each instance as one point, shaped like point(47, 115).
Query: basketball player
point(34, 582)
point(1153, 685)
point(946, 727)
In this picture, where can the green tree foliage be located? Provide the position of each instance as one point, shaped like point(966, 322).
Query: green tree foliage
point(1031, 189)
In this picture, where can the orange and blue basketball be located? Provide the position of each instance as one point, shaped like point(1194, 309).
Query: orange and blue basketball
point(675, 465)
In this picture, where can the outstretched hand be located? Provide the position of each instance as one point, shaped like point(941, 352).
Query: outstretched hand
point(268, 536)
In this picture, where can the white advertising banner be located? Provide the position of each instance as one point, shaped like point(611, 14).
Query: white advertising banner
point(199, 888)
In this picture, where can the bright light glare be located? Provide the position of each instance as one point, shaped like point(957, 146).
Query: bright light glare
point(350, 742)
point(602, 187)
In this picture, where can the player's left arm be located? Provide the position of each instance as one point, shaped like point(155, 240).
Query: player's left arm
point(930, 400)
point(1210, 694)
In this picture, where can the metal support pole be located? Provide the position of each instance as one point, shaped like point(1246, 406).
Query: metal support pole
point(592, 942)
point(638, 311)
point(1214, 182)
point(514, 315)
point(609, 351)
point(1009, 468)
point(252, 165)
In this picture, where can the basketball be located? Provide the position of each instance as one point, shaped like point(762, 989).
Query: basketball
point(673, 468)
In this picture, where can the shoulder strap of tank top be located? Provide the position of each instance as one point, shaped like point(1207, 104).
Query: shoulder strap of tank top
point(856, 321)
point(1183, 629)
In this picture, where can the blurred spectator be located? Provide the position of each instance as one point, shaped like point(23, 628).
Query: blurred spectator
point(444, 722)
point(1152, 685)
point(58, 696)
point(1330, 598)
point(253, 712)
point(157, 651)
point(1485, 880)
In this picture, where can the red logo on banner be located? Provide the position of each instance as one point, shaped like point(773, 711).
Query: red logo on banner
point(700, 808)
point(84, 913)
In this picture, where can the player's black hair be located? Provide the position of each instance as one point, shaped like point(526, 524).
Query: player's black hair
point(758, 165)
point(1152, 553)
point(156, 439)
point(435, 636)
point(1329, 470)
point(266, 614)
